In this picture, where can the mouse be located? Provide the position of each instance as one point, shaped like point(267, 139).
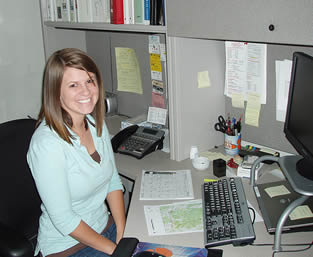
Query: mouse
point(148, 254)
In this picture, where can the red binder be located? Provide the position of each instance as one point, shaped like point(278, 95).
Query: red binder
point(117, 12)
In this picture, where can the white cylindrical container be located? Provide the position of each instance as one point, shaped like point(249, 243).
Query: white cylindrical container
point(194, 153)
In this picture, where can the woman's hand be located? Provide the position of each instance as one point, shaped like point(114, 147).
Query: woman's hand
point(118, 237)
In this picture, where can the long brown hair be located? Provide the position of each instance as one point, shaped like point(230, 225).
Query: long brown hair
point(56, 117)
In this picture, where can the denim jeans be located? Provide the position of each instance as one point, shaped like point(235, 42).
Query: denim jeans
point(90, 252)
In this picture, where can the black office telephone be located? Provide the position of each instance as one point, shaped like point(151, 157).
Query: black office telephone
point(137, 141)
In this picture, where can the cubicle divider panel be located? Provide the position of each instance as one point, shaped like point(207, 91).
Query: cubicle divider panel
point(101, 46)
point(195, 104)
point(269, 133)
point(98, 45)
point(133, 104)
point(56, 39)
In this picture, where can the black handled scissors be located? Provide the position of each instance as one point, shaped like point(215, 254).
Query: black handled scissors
point(221, 124)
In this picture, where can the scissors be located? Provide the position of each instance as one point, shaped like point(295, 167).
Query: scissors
point(221, 124)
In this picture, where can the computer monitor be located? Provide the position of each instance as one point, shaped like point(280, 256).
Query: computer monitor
point(299, 117)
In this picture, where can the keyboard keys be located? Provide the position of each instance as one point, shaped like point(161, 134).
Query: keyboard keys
point(226, 220)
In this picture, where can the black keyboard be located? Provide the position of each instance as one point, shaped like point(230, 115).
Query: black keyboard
point(226, 215)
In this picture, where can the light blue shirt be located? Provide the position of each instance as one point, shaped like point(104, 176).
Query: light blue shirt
point(71, 184)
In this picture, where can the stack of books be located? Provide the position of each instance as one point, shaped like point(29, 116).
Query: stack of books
point(145, 12)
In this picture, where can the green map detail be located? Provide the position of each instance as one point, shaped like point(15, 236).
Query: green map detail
point(182, 218)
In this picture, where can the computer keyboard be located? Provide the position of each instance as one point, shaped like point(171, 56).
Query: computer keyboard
point(226, 216)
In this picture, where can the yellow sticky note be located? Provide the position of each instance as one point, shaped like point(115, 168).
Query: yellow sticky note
point(301, 212)
point(203, 79)
point(238, 100)
point(155, 62)
point(276, 191)
point(253, 110)
point(214, 155)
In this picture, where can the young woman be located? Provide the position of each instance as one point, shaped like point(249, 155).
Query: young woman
point(72, 162)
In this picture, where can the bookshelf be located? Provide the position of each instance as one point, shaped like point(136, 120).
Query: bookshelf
point(107, 27)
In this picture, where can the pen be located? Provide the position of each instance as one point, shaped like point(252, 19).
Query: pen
point(159, 172)
point(152, 226)
point(240, 117)
point(233, 126)
point(228, 128)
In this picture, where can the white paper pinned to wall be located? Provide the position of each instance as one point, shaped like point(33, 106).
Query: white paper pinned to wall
point(246, 69)
point(283, 73)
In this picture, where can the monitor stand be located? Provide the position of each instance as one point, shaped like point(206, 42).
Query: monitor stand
point(299, 184)
point(305, 168)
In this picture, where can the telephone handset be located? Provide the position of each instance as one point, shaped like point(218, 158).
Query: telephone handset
point(137, 141)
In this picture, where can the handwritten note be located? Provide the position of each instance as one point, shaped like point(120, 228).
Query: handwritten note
point(301, 212)
point(238, 100)
point(253, 110)
point(276, 191)
point(128, 72)
point(203, 79)
point(214, 155)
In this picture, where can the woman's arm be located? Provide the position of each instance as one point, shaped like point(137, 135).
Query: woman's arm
point(86, 235)
point(116, 202)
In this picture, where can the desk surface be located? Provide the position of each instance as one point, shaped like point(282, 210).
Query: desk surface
point(136, 225)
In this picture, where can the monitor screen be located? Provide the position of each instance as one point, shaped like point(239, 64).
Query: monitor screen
point(299, 118)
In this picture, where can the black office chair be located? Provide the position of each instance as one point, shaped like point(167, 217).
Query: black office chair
point(19, 199)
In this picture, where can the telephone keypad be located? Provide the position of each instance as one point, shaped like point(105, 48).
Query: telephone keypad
point(141, 143)
point(134, 144)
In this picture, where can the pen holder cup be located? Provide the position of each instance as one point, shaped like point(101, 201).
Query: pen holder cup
point(232, 144)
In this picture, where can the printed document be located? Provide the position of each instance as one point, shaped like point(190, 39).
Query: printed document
point(166, 185)
point(157, 115)
point(128, 71)
point(283, 74)
point(245, 69)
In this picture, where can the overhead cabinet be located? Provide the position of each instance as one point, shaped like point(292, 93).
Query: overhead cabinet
point(271, 21)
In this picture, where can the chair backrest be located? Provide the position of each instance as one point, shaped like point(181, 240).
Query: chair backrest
point(19, 199)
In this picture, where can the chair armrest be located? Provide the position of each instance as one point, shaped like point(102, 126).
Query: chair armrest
point(125, 247)
point(14, 244)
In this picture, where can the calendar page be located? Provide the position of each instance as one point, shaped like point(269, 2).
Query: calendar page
point(166, 185)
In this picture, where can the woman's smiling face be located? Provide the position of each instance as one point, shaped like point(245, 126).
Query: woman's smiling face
point(79, 92)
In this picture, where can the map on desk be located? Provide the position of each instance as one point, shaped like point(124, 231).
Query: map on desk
point(166, 185)
point(175, 218)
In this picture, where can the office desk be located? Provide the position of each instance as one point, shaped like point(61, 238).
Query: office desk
point(136, 224)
